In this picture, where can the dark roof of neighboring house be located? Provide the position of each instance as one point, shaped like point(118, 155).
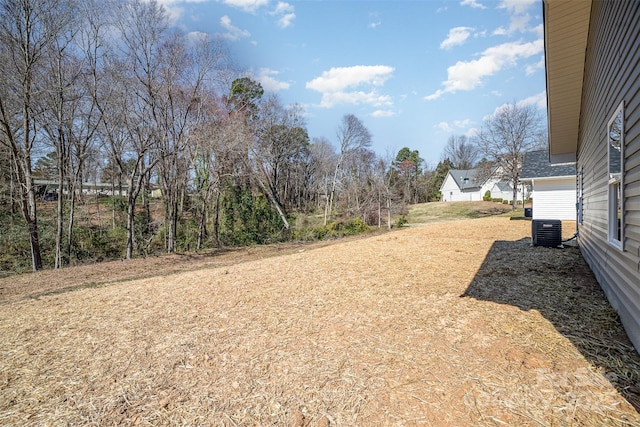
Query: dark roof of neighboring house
point(537, 165)
point(465, 178)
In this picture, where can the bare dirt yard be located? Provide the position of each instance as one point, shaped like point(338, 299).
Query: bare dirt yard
point(448, 324)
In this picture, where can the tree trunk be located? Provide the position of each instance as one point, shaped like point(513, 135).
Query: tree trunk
point(131, 205)
point(388, 213)
point(274, 202)
point(216, 221)
point(72, 210)
point(30, 209)
point(328, 211)
point(60, 212)
point(31, 216)
point(202, 224)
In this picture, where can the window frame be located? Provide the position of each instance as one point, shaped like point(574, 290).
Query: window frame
point(615, 186)
point(580, 192)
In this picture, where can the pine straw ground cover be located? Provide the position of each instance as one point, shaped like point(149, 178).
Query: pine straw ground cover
point(458, 323)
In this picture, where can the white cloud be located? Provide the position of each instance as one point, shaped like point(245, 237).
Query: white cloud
point(458, 127)
point(517, 10)
point(331, 99)
point(197, 36)
point(246, 5)
point(500, 31)
point(473, 3)
point(266, 77)
point(282, 8)
point(457, 36)
point(173, 12)
point(538, 30)
point(535, 67)
point(383, 113)
point(539, 100)
point(339, 78)
point(286, 20)
point(444, 127)
point(467, 75)
point(519, 23)
point(286, 14)
point(375, 20)
point(462, 123)
point(233, 33)
point(454, 127)
point(517, 7)
point(472, 132)
point(334, 85)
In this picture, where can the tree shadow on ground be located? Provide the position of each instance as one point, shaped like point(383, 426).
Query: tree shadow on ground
point(559, 284)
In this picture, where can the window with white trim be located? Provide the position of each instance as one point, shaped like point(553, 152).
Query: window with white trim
point(615, 147)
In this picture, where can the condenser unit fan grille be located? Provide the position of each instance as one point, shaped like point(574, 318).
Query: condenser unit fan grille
point(546, 232)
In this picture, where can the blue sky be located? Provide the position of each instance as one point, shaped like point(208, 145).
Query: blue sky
point(415, 72)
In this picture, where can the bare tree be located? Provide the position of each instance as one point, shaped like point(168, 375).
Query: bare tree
point(462, 152)
point(168, 72)
point(383, 184)
point(322, 164)
point(281, 138)
point(58, 108)
point(203, 158)
point(27, 29)
point(352, 135)
point(513, 130)
point(69, 113)
point(230, 139)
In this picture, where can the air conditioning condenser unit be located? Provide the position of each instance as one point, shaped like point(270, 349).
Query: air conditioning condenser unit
point(546, 232)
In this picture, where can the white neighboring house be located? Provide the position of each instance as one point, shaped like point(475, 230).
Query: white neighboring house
point(465, 185)
point(553, 186)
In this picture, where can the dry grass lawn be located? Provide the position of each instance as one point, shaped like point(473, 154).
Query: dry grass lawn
point(449, 324)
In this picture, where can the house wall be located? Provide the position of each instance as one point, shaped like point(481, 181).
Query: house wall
point(492, 186)
point(612, 75)
point(497, 194)
point(554, 198)
point(451, 192)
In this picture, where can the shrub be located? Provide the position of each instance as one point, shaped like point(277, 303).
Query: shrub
point(355, 226)
point(497, 200)
point(332, 230)
point(310, 234)
point(487, 196)
point(401, 221)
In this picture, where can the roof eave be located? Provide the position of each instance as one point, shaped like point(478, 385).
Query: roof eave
point(566, 29)
point(547, 177)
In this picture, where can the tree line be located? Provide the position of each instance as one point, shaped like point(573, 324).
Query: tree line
point(107, 91)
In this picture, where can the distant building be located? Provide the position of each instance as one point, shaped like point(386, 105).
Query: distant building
point(553, 186)
point(467, 185)
point(44, 187)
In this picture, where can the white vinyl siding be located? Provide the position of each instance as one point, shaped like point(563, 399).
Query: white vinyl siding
point(496, 193)
point(554, 198)
point(451, 192)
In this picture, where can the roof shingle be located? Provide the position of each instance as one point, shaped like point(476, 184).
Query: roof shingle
point(537, 165)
